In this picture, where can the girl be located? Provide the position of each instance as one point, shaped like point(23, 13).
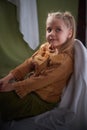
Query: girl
point(36, 85)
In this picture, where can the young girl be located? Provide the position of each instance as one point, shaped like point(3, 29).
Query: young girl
point(36, 85)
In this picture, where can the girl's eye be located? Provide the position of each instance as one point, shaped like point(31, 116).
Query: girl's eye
point(49, 30)
point(58, 30)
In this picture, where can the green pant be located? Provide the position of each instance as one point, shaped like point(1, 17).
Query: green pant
point(12, 107)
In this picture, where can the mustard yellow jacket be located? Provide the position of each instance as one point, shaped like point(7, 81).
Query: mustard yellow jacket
point(46, 72)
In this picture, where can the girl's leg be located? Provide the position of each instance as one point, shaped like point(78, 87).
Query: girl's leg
point(12, 107)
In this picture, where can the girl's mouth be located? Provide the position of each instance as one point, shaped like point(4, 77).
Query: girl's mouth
point(52, 47)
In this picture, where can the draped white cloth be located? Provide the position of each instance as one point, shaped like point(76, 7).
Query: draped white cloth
point(71, 113)
point(28, 21)
point(72, 110)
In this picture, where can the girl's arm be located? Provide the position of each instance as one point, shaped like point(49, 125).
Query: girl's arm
point(64, 70)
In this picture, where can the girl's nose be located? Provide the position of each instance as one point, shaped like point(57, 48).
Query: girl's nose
point(52, 34)
point(50, 37)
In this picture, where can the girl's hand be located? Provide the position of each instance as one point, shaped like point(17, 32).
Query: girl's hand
point(9, 87)
point(5, 84)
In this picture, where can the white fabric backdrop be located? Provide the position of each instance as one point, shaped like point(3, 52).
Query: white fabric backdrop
point(28, 21)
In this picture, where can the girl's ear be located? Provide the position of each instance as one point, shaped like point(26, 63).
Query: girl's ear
point(70, 33)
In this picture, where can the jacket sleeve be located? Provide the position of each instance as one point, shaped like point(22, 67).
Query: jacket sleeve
point(57, 73)
point(20, 71)
point(27, 66)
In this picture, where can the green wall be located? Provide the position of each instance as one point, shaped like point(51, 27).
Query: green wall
point(13, 49)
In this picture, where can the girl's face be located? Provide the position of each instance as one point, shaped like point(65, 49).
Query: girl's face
point(57, 32)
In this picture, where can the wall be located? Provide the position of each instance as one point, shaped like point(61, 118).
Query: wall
point(13, 49)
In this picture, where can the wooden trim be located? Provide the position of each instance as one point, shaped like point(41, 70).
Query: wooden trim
point(81, 23)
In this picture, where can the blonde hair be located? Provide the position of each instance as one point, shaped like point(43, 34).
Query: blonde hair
point(68, 19)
